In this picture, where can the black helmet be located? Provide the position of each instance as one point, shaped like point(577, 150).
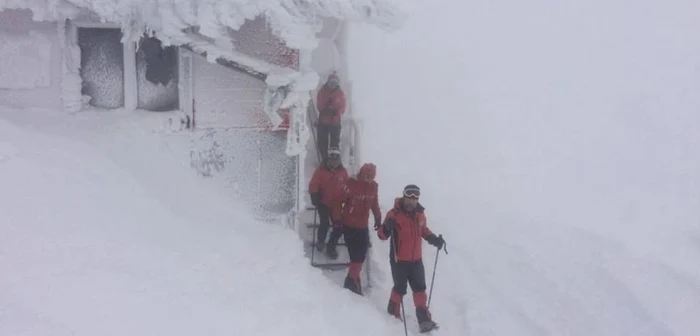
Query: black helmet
point(411, 191)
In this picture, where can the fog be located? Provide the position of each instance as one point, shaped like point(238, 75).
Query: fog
point(565, 129)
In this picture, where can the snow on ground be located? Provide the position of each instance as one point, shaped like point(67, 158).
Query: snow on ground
point(557, 148)
point(106, 230)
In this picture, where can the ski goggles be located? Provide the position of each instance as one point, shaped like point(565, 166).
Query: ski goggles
point(333, 152)
point(411, 193)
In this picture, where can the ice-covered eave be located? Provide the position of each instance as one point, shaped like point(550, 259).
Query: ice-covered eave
point(227, 56)
point(43, 10)
point(287, 88)
point(296, 22)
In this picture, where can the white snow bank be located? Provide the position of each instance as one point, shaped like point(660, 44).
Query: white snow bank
point(25, 61)
point(106, 231)
point(7, 151)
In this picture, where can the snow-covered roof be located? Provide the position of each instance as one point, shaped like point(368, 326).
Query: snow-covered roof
point(294, 21)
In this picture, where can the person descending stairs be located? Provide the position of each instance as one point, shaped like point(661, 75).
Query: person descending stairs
point(326, 190)
point(361, 196)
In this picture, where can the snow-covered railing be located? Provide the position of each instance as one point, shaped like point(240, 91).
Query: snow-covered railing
point(353, 126)
point(230, 64)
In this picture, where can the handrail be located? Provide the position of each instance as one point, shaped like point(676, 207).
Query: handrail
point(311, 116)
point(355, 135)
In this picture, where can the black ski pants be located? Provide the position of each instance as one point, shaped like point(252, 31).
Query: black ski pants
point(324, 219)
point(357, 242)
point(326, 132)
point(411, 273)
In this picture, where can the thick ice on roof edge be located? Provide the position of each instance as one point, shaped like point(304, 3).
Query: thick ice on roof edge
point(294, 23)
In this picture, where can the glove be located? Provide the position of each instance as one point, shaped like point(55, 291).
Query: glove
point(436, 241)
point(316, 199)
point(337, 224)
point(377, 223)
point(389, 226)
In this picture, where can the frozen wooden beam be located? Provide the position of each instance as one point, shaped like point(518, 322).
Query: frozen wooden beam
point(230, 64)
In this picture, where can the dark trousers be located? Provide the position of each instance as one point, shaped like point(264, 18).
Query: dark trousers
point(325, 133)
point(324, 217)
point(408, 273)
point(357, 242)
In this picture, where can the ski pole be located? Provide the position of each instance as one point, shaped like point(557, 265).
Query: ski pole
point(432, 282)
point(396, 264)
point(403, 317)
point(313, 238)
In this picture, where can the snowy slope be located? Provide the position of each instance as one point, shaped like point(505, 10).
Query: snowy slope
point(106, 230)
point(557, 147)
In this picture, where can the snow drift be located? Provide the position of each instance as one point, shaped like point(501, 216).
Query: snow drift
point(107, 230)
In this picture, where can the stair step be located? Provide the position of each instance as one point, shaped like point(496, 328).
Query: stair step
point(340, 243)
point(331, 265)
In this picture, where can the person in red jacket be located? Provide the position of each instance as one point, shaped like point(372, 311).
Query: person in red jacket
point(406, 225)
point(361, 197)
point(326, 189)
point(330, 102)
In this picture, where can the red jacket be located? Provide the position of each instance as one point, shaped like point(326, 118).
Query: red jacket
point(411, 228)
point(330, 104)
point(328, 185)
point(360, 197)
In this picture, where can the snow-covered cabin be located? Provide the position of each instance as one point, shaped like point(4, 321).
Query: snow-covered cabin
point(82, 62)
point(241, 73)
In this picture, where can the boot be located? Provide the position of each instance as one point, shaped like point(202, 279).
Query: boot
point(352, 280)
point(331, 252)
point(394, 306)
point(425, 321)
point(353, 285)
point(333, 242)
point(320, 245)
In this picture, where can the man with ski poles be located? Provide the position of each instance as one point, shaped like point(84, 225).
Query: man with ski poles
point(406, 225)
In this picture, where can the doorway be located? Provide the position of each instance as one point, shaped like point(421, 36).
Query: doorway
point(102, 66)
point(157, 76)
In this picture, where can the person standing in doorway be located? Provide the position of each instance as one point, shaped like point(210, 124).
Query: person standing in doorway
point(327, 191)
point(331, 104)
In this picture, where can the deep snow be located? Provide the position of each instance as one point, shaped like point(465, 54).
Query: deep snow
point(107, 230)
point(557, 147)
point(555, 143)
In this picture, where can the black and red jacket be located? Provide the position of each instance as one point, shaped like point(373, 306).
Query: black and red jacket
point(410, 230)
point(327, 187)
